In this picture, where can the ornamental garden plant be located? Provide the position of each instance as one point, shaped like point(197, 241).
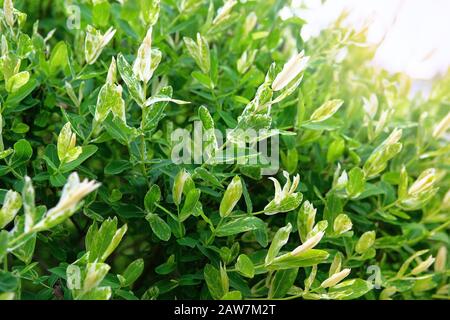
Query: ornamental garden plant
point(200, 149)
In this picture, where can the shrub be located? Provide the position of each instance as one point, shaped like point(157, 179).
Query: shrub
point(358, 207)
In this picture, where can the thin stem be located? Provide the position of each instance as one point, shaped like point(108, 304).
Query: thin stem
point(439, 228)
point(94, 129)
point(218, 149)
point(20, 237)
point(213, 94)
point(166, 211)
point(256, 266)
point(143, 142)
point(16, 174)
point(213, 234)
point(385, 207)
point(207, 220)
point(143, 159)
point(81, 71)
point(248, 214)
point(174, 21)
point(420, 151)
point(232, 171)
point(390, 205)
point(257, 212)
point(180, 223)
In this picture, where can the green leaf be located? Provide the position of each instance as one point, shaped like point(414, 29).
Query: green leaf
point(350, 289)
point(288, 203)
point(132, 272)
point(327, 125)
point(167, 267)
point(205, 117)
point(102, 242)
point(22, 152)
point(335, 150)
point(24, 91)
point(86, 152)
point(365, 242)
point(199, 51)
point(110, 100)
point(253, 172)
point(17, 81)
point(59, 57)
point(159, 226)
point(333, 207)
point(190, 203)
point(282, 282)
point(150, 10)
point(116, 167)
point(162, 98)
point(305, 259)
point(245, 266)
point(203, 79)
point(262, 237)
point(127, 295)
point(207, 176)
point(408, 262)
point(20, 128)
point(152, 197)
point(179, 185)
point(120, 131)
point(154, 113)
point(213, 281)
point(342, 224)
point(305, 220)
point(254, 121)
point(232, 295)
point(3, 243)
point(11, 205)
point(101, 12)
point(94, 43)
point(133, 84)
point(66, 145)
point(8, 282)
point(231, 197)
point(240, 225)
point(25, 251)
point(327, 110)
point(279, 240)
point(356, 182)
point(290, 160)
point(102, 293)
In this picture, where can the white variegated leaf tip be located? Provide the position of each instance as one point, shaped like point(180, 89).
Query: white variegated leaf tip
point(291, 70)
point(309, 244)
point(335, 278)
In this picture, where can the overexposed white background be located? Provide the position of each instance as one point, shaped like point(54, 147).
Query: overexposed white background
point(413, 35)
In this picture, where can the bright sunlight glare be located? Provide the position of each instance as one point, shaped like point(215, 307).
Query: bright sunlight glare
point(413, 35)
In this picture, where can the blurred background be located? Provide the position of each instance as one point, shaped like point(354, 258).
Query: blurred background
point(413, 36)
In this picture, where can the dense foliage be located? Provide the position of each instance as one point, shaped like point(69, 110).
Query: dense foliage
point(359, 208)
